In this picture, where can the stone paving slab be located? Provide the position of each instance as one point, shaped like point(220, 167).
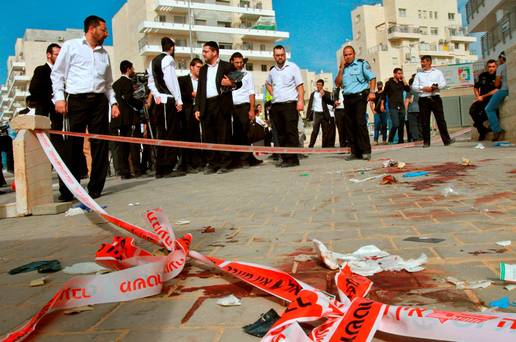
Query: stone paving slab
point(269, 215)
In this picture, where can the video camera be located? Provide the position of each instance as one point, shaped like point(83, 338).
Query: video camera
point(140, 81)
point(4, 128)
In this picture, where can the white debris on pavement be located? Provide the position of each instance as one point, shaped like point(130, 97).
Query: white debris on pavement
point(302, 258)
point(480, 146)
point(368, 260)
point(463, 284)
point(354, 180)
point(504, 243)
point(75, 212)
point(182, 222)
point(230, 300)
point(84, 268)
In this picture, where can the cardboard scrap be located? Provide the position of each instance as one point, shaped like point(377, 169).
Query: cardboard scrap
point(38, 282)
point(463, 285)
point(504, 243)
point(230, 300)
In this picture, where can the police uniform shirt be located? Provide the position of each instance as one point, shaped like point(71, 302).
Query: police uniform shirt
point(486, 83)
point(357, 76)
point(242, 94)
point(284, 82)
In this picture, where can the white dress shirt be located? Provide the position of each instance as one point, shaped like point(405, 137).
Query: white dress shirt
point(284, 82)
point(195, 82)
point(242, 95)
point(80, 69)
point(317, 105)
point(211, 80)
point(427, 79)
point(168, 66)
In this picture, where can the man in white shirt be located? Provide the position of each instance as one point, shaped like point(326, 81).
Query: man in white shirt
point(243, 113)
point(164, 86)
point(285, 84)
point(319, 113)
point(428, 83)
point(214, 106)
point(192, 160)
point(82, 86)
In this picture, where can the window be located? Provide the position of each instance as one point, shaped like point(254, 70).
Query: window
point(223, 24)
point(423, 30)
point(420, 14)
point(451, 16)
point(249, 66)
point(179, 19)
point(431, 14)
point(263, 47)
point(161, 18)
point(425, 15)
point(435, 14)
point(434, 31)
point(264, 68)
point(226, 46)
point(357, 18)
point(456, 46)
point(402, 12)
point(200, 22)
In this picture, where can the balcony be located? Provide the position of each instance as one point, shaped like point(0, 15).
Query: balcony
point(480, 14)
point(183, 6)
point(168, 28)
point(435, 50)
point(377, 49)
point(500, 36)
point(18, 66)
point(20, 95)
point(20, 80)
point(459, 34)
point(403, 32)
point(150, 49)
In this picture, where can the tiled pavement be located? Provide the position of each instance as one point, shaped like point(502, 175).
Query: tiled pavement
point(268, 215)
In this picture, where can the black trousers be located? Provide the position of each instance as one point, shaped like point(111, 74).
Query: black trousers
point(88, 111)
point(192, 133)
point(285, 118)
point(478, 115)
point(340, 123)
point(355, 107)
point(434, 104)
point(216, 127)
point(126, 150)
point(398, 124)
point(169, 126)
point(318, 122)
point(329, 133)
point(414, 126)
point(241, 124)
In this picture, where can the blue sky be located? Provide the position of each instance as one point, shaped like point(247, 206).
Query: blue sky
point(317, 27)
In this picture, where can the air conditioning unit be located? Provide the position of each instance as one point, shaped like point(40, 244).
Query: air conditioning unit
point(60, 39)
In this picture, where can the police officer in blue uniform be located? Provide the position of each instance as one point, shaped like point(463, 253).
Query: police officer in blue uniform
point(356, 79)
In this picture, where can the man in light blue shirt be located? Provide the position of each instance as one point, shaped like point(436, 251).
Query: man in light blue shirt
point(497, 98)
point(356, 78)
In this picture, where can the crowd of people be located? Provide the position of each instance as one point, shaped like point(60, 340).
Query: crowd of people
point(216, 103)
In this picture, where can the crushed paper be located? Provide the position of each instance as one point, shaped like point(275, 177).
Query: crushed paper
point(471, 285)
point(466, 162)
point(368, 260)
point(480, 146)
point(38, 282)
point(504, 243)
point(510, 287)
point(354, 180)
point(303, 258)
point(75, 212)
point(78, 310)
point(136, 204)
point(84, 268)
point(230, 300)
point(182, 222)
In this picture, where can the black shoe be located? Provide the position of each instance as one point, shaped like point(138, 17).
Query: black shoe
point(177, 173)
point(452, 141)
point(126, 177)
point(290, 164)
point(209, 170)
point(255, 162)
point(263, 324)
point(498, 136)
point(352, 157)
point(65, 198)
point(366, 156)
point(223, 170)
point(482, 136)
point(94, 194)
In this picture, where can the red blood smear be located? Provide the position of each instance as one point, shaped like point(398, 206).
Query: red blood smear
point(513, 171)
point(301, 251)
point(494, 197)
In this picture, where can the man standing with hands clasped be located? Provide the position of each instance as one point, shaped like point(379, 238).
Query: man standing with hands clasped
point(357, 80)
point(81, 81)
point(285, 84)
point(428, 83)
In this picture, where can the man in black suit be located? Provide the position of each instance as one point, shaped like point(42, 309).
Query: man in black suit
point(127, 124)
point(192, 159)
point(319, 113)
point(214, 106)
point(40, 90)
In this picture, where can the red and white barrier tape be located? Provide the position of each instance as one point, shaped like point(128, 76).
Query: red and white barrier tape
point(238, 148)
point(351, 318)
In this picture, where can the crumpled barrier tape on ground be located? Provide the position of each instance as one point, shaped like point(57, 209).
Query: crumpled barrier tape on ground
point(353, 318)
point(237, 148)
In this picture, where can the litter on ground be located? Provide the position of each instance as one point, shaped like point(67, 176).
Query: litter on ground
point(463, 285)
point(230, 300)
point(84, 268)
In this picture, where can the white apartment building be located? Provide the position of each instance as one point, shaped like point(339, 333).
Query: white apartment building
point(29, 53)
point(497, 18)
point(247, 26)
point(399, 32)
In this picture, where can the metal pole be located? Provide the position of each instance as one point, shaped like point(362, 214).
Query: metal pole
point(190, 27)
